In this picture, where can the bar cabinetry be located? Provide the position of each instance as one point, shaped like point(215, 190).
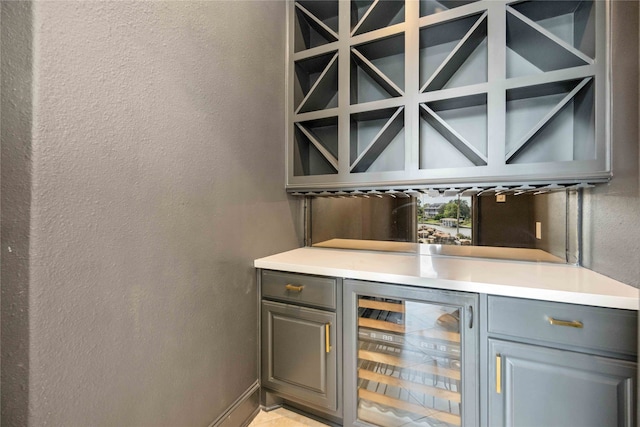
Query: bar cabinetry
point(441, 341)
point(578, 363)
point(301, 340)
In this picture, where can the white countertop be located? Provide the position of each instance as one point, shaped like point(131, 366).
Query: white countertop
point(522, 279)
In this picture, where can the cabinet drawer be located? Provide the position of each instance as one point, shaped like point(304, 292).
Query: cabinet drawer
point(299, 288)
point(604, 329)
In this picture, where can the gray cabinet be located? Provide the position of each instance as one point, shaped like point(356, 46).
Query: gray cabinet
point(410, 356)
point(408, 93)
point(299, 353)
point(556, 364)
point(533, 386)
point(424, 357)
point(301, 340)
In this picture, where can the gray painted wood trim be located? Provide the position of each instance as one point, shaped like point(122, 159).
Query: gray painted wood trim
point(458, 55)
point(379, 142)
point(457, 140)
point(528, 137)
point(242, 411)
point(375, 73)
point(327, 155)
point(319, 26)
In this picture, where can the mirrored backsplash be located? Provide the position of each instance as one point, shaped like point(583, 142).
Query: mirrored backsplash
point(541, 227)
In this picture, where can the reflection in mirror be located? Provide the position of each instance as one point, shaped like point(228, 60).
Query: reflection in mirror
point(533, 227)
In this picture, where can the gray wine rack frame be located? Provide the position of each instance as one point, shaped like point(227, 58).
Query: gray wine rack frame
point(386, 94)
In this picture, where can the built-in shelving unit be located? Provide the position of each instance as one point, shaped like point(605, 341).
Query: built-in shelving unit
point(430, 7)
point(376, 140)
point(316, 24)
point(377, 70)
point(453, 132)
point(316, 147)
point(367, 15)
point(316, 83)
point(542, 118)
point(453, 53)
point(403, 94)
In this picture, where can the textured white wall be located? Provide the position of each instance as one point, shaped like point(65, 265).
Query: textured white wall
point(158, 174)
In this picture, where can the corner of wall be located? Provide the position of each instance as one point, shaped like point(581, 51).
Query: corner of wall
point(611, 237)
point(15, 165)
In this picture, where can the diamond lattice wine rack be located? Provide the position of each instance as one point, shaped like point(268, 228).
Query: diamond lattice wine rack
point(388, 93)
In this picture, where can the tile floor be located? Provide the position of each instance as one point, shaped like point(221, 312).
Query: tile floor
point(283, 418)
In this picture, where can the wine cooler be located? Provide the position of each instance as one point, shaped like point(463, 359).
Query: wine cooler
point(410, 356)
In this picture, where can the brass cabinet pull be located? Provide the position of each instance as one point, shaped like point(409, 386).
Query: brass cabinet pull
point(498, 374)
point(327, 339)
point(569, 323)
point(295, 288)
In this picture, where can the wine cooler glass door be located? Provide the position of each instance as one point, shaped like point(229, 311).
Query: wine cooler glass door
point(408, 355)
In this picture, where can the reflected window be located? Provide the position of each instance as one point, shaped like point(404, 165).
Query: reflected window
point(445, 220)
point(534, 227)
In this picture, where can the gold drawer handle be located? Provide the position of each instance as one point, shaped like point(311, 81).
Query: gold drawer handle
point(294, 288)
point(498, 374)
point(327, 339)
point(569, 323)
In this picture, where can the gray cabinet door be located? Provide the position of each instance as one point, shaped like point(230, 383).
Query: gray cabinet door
point(299, 353)
point(538, 386)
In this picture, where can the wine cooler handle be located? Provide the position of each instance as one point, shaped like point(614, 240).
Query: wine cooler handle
point(470, 317)
point(327, 339)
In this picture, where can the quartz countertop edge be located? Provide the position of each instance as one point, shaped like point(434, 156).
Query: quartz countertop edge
point(520, 279)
